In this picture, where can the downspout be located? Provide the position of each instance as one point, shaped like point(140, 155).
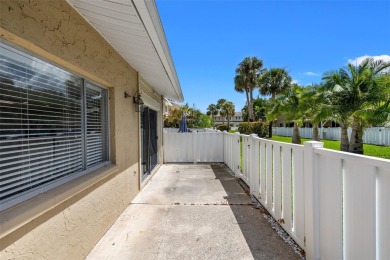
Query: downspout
point(139, 136)
point(162, 131)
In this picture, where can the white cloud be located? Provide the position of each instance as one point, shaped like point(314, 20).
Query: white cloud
point(309, 73)
point(295, 81)
point(359, 60)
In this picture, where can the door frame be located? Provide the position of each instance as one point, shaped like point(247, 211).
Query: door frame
point(149, 142)
point(153, 101)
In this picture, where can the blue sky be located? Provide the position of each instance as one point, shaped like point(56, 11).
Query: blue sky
point(208, 39)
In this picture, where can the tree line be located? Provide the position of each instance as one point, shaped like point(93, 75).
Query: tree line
point(194, 117)
point(354, 96)
point(222, 108)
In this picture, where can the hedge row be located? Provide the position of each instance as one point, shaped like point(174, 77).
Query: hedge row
point(223, 128)
point(259, 128)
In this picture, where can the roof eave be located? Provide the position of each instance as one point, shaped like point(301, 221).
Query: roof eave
point(148, 12)
point(136, 21)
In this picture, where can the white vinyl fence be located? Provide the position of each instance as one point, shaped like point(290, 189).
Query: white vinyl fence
point(335, 205)
point(192, 130)
point(193, 147)
point(372, 135)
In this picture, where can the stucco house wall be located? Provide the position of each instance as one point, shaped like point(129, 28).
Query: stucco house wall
point(66, 222)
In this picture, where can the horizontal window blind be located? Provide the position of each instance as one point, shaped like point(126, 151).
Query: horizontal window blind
point(42, 124)
point(96, 126)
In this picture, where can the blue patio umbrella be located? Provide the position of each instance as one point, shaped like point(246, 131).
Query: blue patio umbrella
point(183, 125)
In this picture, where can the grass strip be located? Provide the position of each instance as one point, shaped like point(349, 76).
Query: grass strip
point(369, 149)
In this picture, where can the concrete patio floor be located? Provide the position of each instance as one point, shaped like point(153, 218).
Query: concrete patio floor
point(192, 211)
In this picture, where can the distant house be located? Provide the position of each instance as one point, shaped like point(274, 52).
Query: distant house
point(83, 89)
point(234, 120)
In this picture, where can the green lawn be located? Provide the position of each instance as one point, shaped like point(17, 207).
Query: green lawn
point(369, 149)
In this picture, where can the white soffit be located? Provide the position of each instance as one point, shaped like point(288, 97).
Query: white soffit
point(167, 102)
point(134, 29)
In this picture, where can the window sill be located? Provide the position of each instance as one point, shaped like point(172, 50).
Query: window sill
point(35, 211)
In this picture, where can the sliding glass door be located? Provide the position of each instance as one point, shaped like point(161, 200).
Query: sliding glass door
point(148, 141)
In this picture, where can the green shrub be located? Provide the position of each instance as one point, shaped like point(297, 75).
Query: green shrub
point(259, 128)
point(245, 128)
point(223, 128)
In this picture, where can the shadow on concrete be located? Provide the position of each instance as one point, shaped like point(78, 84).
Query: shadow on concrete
point(262, 240)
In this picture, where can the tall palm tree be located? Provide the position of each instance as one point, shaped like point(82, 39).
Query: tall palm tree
point(246, 80)
point(228, 109)
point(219, 106)
point(220, 103)
point(239, 86)
point(212, 110)
point(362, 90)
point(273, 82)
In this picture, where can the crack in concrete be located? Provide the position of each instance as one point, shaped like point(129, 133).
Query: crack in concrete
point(192, 204)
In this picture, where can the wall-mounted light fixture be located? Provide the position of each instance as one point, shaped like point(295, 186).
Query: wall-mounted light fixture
point(139, 104)
point(127, 95)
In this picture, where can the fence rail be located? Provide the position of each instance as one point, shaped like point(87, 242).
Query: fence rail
point(372, 135)
point(192, 130)
point(335, 205)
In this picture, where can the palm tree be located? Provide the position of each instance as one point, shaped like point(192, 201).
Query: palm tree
point(273, 82)
point(219, 106)
point(362, 90)
point(379, 115)
point(220, 103)
point(228, 109)
point(291, 106)
point(212, 110)
point(246, 80)
point(316, 107)
point(340, 112)
point(239, 86)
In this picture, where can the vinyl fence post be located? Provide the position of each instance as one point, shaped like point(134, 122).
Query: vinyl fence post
point(381, 138)
point(224, 147)
point(252, 167)
point(237, 154)
point(310, 171)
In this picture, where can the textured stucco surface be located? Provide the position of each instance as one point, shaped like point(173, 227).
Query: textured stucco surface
point(72, 228)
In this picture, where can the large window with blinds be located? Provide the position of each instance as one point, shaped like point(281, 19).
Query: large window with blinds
point(53, 126)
